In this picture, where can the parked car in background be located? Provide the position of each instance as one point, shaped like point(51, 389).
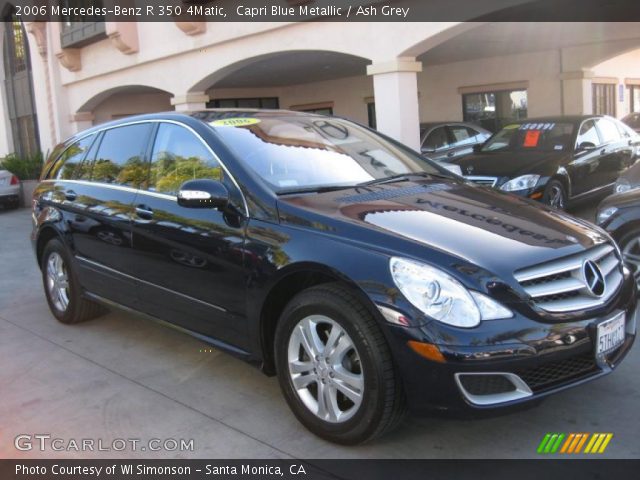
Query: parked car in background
point(367, 278)
point(619, 214)
point(447, 141)
point(9, 189)
point(555, 159)
point(633, 120)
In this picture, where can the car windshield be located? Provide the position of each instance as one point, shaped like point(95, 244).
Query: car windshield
point(523, 137)
point(298, 152)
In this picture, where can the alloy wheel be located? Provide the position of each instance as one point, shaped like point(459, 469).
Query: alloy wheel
point(556, 197)
point(57, 282)
point(325, 369)
point(631, 254)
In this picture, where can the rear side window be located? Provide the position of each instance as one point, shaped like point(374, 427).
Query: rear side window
point(462, 135)
point(71, 165)
point(120, 158)
point(178, 156)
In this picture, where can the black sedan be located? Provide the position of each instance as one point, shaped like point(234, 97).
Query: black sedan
point(554, 160)
point(367, 278)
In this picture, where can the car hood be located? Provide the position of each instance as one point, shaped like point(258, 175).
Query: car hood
point(510, 164)
point(494, 230)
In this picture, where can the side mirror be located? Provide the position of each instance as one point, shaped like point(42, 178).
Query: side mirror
point(586, 146)
point(203, 194)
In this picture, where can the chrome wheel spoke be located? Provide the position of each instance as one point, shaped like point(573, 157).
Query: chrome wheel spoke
point(324, 368)
point(57, 282)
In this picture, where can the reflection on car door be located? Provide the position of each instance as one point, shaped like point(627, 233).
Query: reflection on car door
point(189, 261)
point(97, 194)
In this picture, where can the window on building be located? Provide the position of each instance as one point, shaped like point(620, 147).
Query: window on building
point(604, 98)
point(179, 156)
point(77, 31)
point(120, 158)
point(634, 96)
point(371, 114)
point(494, 110)
point(259, 102)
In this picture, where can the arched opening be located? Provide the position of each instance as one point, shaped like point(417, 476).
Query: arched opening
point(21, 107)
point(123, 101)
point(323, 82)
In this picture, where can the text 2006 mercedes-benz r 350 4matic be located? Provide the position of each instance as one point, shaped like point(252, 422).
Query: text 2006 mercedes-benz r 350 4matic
point(369, 279)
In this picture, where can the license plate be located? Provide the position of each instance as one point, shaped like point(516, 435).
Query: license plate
point(610, 335)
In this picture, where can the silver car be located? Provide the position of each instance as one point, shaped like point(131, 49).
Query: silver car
point(449, 140)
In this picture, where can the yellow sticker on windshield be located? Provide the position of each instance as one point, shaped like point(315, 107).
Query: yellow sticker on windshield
point(513, 126)
point(234, 122)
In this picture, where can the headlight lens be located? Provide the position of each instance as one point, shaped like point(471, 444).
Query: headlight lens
point(622, 185)
point(604, 215)
point(524, 182)
point(441, 297)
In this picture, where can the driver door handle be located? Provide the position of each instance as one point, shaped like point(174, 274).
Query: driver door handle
point(144, 211)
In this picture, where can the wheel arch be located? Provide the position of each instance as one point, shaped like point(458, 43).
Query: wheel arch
point(290, 282)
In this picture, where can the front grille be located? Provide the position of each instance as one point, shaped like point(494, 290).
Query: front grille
point(553, 373)
point(560, 285)
point(486, 384)
point(485, 181)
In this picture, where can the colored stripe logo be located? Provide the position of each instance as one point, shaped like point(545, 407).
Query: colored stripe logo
point(574, 443)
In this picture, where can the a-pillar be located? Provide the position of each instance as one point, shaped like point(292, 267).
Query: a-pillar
point(395, 87)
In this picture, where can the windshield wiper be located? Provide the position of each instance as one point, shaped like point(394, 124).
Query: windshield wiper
point(318, 189)
point(401, 177)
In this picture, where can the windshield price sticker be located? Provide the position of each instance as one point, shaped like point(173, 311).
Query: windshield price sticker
point(532, 138)
point(234, 122)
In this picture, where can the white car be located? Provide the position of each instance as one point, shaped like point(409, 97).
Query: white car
point(9, 189)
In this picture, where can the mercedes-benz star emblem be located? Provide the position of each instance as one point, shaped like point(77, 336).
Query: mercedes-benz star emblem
point(470, 169)
point(593, 278)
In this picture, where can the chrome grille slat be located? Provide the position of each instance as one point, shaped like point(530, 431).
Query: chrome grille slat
point(559, 286)
point(480, 180)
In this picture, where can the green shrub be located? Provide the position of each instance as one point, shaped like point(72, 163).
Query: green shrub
point(25, 168)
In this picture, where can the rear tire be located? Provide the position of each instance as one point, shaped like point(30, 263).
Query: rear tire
point(347, 390)
point(555, 195)
point(62, 288)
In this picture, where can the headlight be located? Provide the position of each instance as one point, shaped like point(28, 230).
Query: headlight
point(604, 215)
point(622, 185)
point(442, 297)
point(524, 182)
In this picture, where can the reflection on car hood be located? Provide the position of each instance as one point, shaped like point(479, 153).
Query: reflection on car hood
point(488, 228)
point(510, 164)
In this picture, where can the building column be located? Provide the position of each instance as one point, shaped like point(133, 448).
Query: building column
point(395, 87)
point(577, 96)
point(189, 102)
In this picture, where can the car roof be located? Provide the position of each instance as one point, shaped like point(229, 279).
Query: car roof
point(204, 115)
point(558, 119)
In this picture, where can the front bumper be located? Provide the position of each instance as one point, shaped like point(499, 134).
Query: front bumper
point(547, 357)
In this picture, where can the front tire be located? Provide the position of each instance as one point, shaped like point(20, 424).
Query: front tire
point(62, 288)
point(555, 195)
point(335, 367)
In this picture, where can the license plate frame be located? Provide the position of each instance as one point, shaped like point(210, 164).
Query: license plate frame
point(610, 334)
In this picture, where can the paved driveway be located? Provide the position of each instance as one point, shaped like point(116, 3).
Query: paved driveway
point(125, 377)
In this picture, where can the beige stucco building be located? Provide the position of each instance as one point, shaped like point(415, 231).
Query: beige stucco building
point(389, 75)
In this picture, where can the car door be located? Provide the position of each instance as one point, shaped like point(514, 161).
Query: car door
point(616, 153)
point(436, 143)
point(584, 167)
point(189, 261)
point(97, 192)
